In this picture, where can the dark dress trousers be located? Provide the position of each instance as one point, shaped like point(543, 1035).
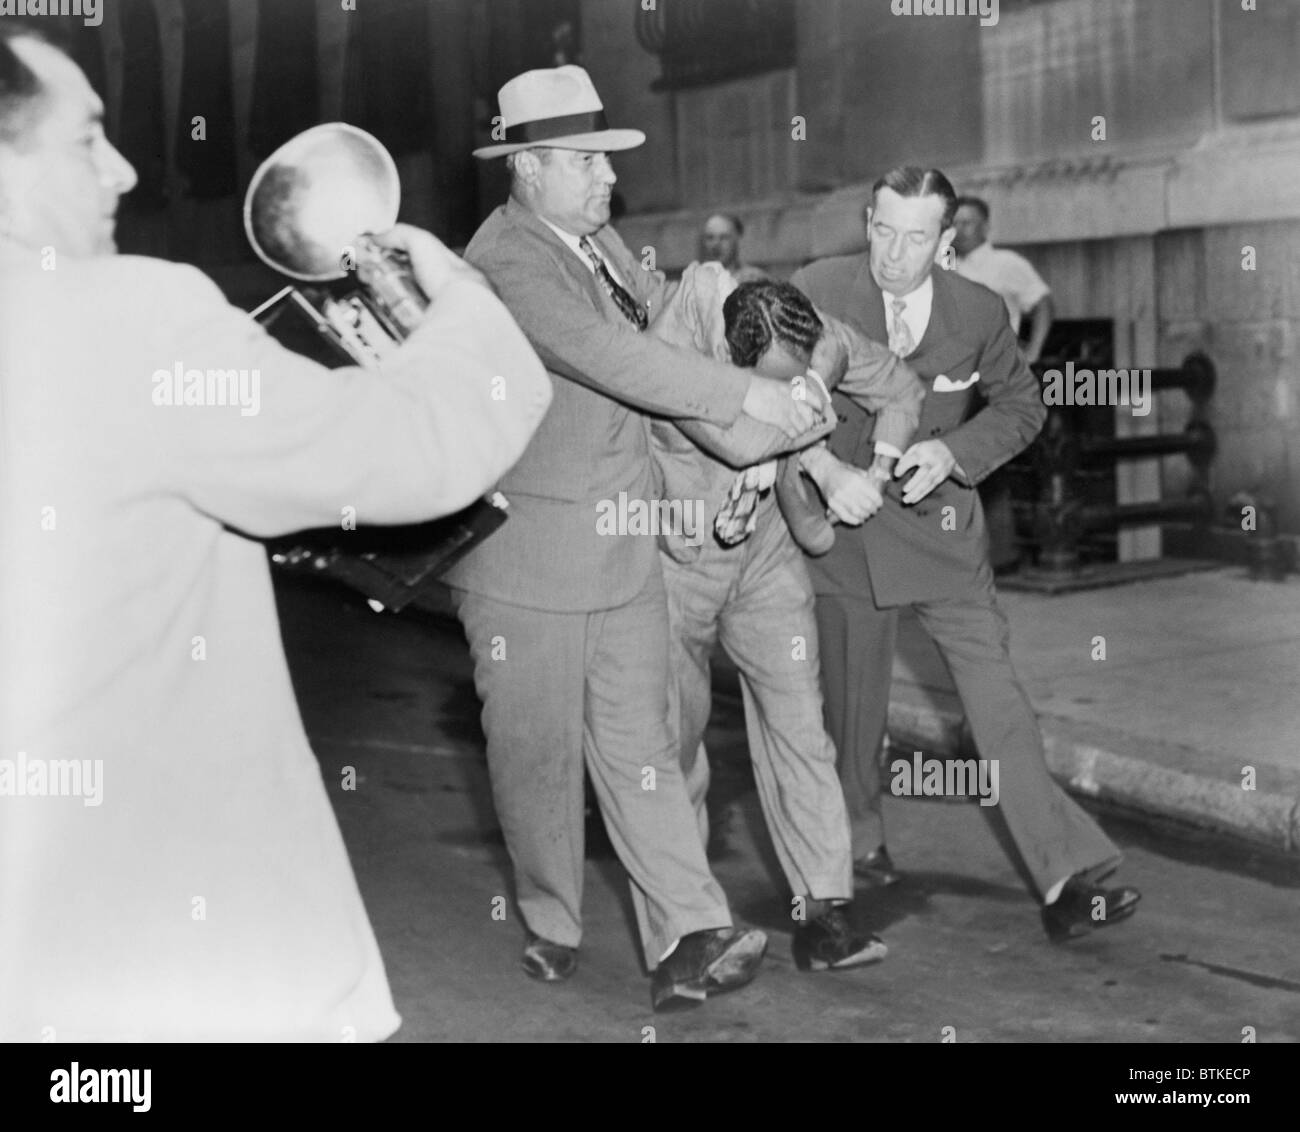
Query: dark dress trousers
point(986, 405)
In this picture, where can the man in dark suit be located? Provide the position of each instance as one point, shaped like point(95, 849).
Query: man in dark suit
point(564, 607)
point(923, 543)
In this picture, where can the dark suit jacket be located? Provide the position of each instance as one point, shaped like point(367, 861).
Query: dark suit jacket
point(594, 442)
point(988, 408)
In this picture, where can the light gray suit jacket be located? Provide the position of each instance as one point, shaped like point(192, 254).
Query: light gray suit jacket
point(594, 443)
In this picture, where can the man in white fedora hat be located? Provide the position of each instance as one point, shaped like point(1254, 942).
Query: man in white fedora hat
point(564, 607)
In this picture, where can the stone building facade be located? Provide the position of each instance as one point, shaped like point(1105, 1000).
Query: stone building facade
point(1145, 154)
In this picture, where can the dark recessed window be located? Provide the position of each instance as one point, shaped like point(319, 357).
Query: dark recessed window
point(709, 41)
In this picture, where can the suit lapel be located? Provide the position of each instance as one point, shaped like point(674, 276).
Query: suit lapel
point(943, 322)
point(872, 304)
point(561, 253)
point(614, 256)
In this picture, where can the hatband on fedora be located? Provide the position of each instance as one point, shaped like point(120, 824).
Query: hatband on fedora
point(556, 106)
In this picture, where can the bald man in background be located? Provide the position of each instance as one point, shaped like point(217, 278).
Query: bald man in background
point(720, 243)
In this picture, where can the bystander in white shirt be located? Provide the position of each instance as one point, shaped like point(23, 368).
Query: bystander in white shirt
point(1009, 275)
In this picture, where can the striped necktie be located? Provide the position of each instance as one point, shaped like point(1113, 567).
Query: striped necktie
point(900, 334)
point(634, 312)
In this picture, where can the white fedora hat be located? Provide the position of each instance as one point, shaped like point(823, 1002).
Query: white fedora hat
point(559, 107)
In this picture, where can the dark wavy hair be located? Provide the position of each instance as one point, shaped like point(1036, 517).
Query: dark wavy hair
point(757, 314)
point(913, 181)
point(21, 90)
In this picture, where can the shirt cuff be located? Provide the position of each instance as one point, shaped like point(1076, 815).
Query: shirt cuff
point(826, 393)
point(884, 448)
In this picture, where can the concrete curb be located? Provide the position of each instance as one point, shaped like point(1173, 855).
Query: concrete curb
point(1090, 771)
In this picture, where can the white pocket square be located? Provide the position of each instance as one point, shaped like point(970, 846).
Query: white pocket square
point(943, 384)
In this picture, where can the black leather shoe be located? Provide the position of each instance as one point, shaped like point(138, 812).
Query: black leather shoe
point(829, 941)
point(876, 870)
point(1083, 907)
point(547, 961)
point(705, 963)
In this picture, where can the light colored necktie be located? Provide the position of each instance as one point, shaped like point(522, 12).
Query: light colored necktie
point(901, 341)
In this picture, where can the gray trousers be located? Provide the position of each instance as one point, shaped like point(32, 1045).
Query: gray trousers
point(561, 688)
point(1054, 837)
point(756, 599)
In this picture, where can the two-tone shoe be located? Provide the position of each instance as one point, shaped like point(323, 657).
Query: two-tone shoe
point(830, 942)
point(548, 962)
point(705, 963)
point(1083, 907)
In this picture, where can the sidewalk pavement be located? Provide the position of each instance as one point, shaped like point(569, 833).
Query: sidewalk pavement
point(1200, 682)
point(390, 706)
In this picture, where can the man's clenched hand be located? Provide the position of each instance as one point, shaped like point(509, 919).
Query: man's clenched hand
point(433, 264)
point(934, 461)
point(852, 495)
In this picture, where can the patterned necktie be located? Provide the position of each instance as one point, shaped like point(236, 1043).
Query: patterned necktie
point(634, 312)
point(900, 334)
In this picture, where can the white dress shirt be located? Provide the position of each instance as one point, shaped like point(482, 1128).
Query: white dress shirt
point(916, 315)
point(574, 244)
point(917, 312)
point(1008, 274)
